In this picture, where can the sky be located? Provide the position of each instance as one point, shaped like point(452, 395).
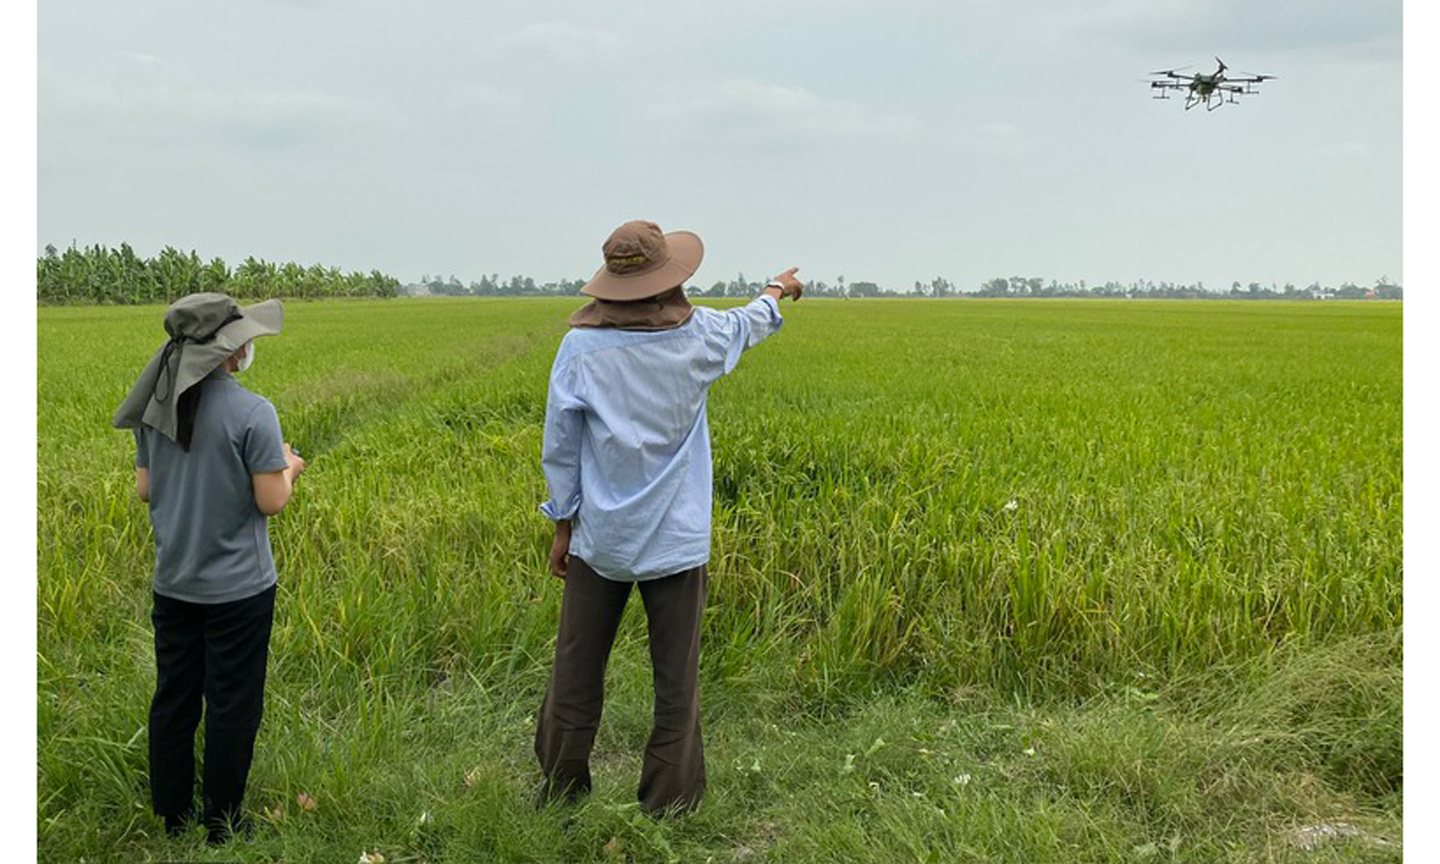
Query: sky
point(881, 140)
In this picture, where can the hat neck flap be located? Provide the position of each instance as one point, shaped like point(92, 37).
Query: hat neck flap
point(664, 311)
point(170, 355)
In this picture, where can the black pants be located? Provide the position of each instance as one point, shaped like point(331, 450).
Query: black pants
point(673, 773)
point(215, 653)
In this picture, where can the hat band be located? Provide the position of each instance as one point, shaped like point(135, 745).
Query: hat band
point(623, 265)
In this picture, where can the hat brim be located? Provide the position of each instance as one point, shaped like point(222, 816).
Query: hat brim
point(686, 252)
point(262, 319)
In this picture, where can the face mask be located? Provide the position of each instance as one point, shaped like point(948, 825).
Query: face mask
point(248, 358)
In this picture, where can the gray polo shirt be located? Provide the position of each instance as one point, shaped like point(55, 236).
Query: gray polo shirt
point(212, 544)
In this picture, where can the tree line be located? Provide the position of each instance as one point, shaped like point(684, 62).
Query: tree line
point(492, 285)
point(1019, 286)
point(1003, 286)
point(99, 274)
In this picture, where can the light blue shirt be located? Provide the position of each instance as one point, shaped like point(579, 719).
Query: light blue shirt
point(627, 443)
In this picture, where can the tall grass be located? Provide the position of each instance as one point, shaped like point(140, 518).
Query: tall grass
point(1038, 501)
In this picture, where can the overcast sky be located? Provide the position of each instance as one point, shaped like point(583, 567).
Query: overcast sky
point(888, 140)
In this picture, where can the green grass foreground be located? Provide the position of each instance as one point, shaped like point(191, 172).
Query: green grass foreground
point(991, 581)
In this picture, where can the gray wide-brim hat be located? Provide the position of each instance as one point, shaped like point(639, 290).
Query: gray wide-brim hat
point(204, 329)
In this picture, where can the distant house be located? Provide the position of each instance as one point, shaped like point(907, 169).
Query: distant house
point(415, 290)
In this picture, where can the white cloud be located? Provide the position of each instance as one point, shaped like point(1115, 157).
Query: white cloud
point(561, 40)
point(165, 102)
point(997, 137)
point(1222, 25)
point(746, 109)
point(486, 105)
point(1129, 16)
point(999, 131)
point(142, 60)
point(1344, 150)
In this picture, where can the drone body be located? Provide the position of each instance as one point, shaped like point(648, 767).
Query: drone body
point(1212, 90)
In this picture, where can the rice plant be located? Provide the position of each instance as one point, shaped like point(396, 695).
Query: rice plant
point(1102, 525)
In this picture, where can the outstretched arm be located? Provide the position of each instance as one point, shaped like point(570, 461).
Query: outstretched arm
point(786, 285)
point(747, 326)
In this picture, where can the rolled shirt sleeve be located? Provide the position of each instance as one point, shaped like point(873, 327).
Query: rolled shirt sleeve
point(750, 325)
point(560, 452)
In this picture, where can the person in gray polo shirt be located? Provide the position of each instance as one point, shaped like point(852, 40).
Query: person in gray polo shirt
point(210, 460)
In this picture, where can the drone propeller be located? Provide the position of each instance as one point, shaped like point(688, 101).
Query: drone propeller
point(1258, 77)
point(1169, 71)
point(1223, 67)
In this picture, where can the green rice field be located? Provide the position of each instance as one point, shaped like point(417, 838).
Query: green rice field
point(1022, 581)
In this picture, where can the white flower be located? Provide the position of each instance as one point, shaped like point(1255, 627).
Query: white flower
point(1013, 505)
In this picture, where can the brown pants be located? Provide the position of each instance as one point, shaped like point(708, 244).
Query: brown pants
point(673, 774)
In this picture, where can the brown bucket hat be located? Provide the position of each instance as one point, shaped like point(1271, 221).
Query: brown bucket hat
point(642, 261)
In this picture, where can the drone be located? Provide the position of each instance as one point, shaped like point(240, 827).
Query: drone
point(1213, 90)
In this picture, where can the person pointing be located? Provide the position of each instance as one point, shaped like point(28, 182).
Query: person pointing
point(626, 456)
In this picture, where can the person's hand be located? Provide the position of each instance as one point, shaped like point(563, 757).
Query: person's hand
point(560, 549)
point(293, 462)
point(789, 285)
